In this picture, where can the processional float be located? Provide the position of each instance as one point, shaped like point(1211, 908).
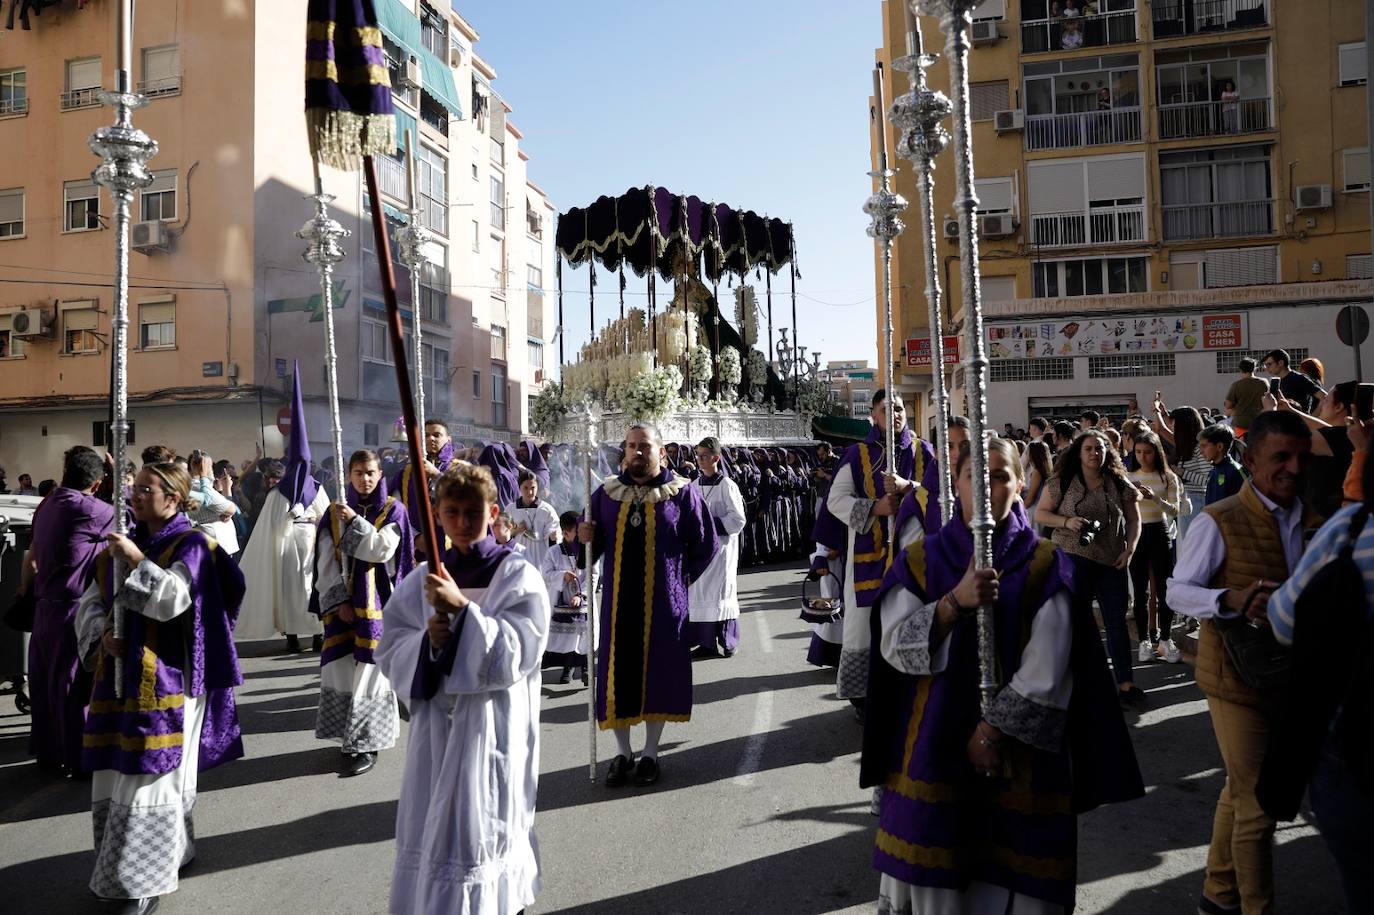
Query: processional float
point(919, 113)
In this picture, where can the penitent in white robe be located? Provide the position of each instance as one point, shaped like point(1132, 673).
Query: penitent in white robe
point(714, 597)
point(542, 520)
point(465, 824)
point(279, 569)
point(568, 630)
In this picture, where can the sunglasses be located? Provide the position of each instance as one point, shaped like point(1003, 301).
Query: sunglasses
point(149, 490)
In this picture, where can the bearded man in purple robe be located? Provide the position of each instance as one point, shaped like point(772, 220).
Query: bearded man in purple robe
point(654, 536)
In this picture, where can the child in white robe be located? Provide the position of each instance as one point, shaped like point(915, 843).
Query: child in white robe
point(464, 643)
point(564, 581)
point(535, 521)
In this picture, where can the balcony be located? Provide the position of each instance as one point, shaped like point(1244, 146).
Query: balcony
point(13, 106)
point(534, 314)
point(1061, 34)
point(1214, 119)
point(391, 174)
point(1083, 128)
point(1200, 221)
point(1118, 225)
point(498, 343)
point(155, 88)
point(80, 98)
point(1173, 18)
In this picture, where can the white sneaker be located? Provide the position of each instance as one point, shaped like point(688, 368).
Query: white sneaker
point(1169, 651)
point(1146, 652)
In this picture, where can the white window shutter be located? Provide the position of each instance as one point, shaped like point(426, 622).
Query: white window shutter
point(83, 74)
point(161, 63)
point(12, 205)
point(1356, 170)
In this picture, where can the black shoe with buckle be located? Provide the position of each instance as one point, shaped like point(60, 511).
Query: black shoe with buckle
point(619, 772)
point(646, 772)
point(361, 762)
point(293, 644)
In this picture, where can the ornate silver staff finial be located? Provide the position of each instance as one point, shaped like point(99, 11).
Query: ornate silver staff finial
point(411, 241)
point(124, 151)
point(884, 209)
point(956, 22)
point(323, 234)
point(918, 115)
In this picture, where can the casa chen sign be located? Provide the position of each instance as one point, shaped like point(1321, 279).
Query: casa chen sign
point(1160, 333)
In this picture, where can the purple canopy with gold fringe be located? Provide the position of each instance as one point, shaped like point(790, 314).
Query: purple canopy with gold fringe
point(348, 108)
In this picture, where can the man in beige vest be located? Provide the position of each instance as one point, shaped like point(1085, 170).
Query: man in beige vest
point(1235, 553)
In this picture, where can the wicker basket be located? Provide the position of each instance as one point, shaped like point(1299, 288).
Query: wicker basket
point(817, 609)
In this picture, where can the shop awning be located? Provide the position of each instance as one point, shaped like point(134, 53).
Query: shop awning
point(438, 82)
point(405, 121)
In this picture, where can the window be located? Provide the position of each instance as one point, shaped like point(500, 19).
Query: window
point(1131, 365)
point(1191, 85)
point(14, 92)
point(498, 342)
point(476, 172)
point(1354, 65)
point(534, 223)
point(1359, 267)
point(157, 327)
point(12, 212)
point(161, 71)
point(78, 328)
point(371, 434)
point(158, 201)
point(434, 293)
point(433, 32)
point(986, 99)
point(433, 190)
point(536, 355)
point(82, 199)
point(1096, 201)
point(995, 195)
point(1228, 361)
point(534, 276)
point(476, 384)
point(1355, 169)
point(396, 58)
point(1090, 276)
point(436, 372)
point(373, 345)
point(990, 10)
point(11, 347)
point(433, 113)
point(498, 396)
point(498, 203)
point(1041, 368)
point(83, 83)
point(476, 236)
point(999, 288)
point(1217, 193)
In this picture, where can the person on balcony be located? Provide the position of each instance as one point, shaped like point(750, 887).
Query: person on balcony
point(1230, 108)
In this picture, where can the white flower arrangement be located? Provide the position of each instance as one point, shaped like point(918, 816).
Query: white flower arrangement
point(731, 372)
point(813, 397)
point(700, 364)
point(746, 317)
point(757, 368)
point(548, 411)
point(651, 395)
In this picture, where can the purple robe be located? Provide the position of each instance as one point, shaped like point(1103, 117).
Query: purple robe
point(941, 825)
point(923, 502)
point(644, 667)
point(191, 655)
point(371, 583)
point(69, 529)
point(536, 465)
point(873, 553)
point(499, 458)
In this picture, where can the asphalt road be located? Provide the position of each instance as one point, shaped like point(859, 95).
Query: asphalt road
point(758, 809)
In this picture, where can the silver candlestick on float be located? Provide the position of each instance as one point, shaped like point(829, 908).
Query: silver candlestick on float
point(884, 208)
point(125, 152)
point(918, 115)
point(956, 22)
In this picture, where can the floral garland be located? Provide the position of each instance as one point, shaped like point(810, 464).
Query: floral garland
point(548, 410)
point(731, 372)
point(746, 316)
point(757, 368)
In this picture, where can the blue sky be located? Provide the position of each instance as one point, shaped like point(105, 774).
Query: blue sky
point(762, 105)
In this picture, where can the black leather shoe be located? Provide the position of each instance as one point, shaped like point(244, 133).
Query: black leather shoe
point(144, 906)
point(619, 772)
point(317, 643)
point(646, 772)
point(701, 652)
point(566, 677)
point(582, 675)
point(293, 644)
point(362, 762)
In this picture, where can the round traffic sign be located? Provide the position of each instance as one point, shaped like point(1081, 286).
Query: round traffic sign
point(1352, 325)
point(284, 420)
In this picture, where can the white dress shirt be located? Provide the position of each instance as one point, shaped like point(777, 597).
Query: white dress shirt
point(1203, 551)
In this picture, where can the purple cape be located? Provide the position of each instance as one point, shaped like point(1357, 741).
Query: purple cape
point(867, 461)
point(141, 735)
point(505, 471)
point(644, 670)
point(297, 485)
point(536, 465)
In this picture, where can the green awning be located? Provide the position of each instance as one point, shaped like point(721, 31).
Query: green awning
point(396, 213)
point(405, 121)
point(438, 82)
point(399, 24)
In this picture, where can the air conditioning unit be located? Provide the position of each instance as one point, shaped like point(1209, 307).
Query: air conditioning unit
point(455, 56)
point(951, 227)
point(1009, 120)
point(30, 322)
point(996, 225)
point(410, 79)
point(150, 236)
point(1313, 197)
point(986, 32)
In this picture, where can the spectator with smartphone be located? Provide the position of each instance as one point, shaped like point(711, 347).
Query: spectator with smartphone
point(1332, 448)
point(1160, 496)
point(1295, 386)
point(1234, 554)
point(1245, 397)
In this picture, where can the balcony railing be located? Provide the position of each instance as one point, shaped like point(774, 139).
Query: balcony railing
point(1119, 225)
point(534, 313)
point(167, 85)
point(1083, 128)
point(14, 106)
point(1218, 220)
point(1214, 119)
point(1190, 17)
point(498, 344)
point(80, 98)
point(1067, 34)
point(392, 176)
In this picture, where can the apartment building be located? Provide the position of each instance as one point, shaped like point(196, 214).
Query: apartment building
point(221, 303)
point(852, 383)
point(1163, 188)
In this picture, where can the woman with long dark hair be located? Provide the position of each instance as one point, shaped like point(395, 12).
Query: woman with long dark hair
point(1160, 494)
point(1090, 507)
point(1181, 428)
point(1038, 472)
